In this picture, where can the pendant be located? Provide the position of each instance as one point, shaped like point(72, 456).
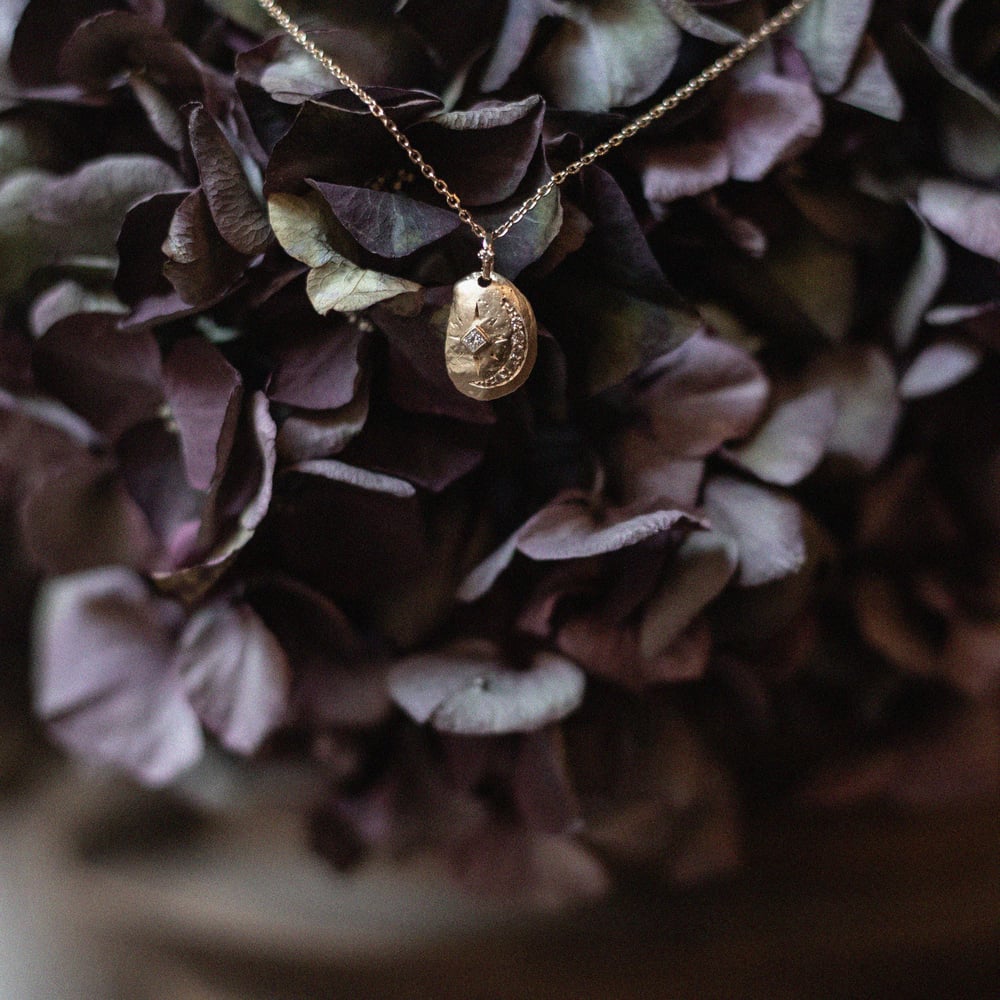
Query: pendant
point(492, 337)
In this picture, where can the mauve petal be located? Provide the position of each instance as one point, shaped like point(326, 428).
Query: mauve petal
point(648, 473)
point(318, 367)
point(608, 54)
point(105, 47)
point(363, 479)
point(473, 693)
point(112, 379)
point(520, 21)
point(103, 680)
point(793, 438)
point(570, 529)
point(308, 434)
point(871, 86)
point(939, 367)
point(922, 286)
point(140, 278)
point(235, 674)
point(496, 141)
point(682, 171)
point(765, 524)
point(969, 215)
point(768, 119)
point(204, 392)
point(865, 381)
point(481, 579)
point(695, 575)
point(541, 784)
point(702, 394)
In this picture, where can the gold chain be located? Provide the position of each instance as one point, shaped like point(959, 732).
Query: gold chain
point(716, 69)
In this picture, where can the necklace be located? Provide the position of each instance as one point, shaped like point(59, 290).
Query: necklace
point(491, 339)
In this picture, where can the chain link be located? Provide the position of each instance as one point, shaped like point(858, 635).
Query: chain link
point(712, 72)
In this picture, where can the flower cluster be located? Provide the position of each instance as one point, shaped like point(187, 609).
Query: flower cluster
point(740, 529)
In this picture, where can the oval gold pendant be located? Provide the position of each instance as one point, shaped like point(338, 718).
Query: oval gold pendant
point(492, 338)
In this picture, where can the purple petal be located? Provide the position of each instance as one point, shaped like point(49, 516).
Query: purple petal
point(541, 784)
point(939, 367)
point(204, 392)
point(608, 55)
point(970, 216)
point(766, 525)
point(865, 382)
point(695, 575)
point(112, 379)
point(318, 367)
point(363, 479)
point(200, 264)
point(793, 439)
point(235, 673)
point(769, 119)
point(82, 516)
point(703, 394)
point(921, 288)
point(471, 692)
point(234, 206)
point(103, 680)
point(682, 171)
point(871, 86)
point(387, 224)
point(569, 528)
point(496, 141)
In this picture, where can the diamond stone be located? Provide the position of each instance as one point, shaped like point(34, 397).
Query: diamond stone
point(475, 340)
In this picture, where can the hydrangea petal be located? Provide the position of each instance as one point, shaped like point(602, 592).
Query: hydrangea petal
point(103, 680)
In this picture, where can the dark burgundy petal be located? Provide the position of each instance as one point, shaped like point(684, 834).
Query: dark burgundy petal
point(204, 392)
point(81, 517)
point(235, 674)
point(140, 277)
point(112, 379)
point(387, 224)
point(103, 679)
point(200, 264)
point(494, 142)
point(108, 45)
point(541, 784)
point(317, 366)
point(234, 205)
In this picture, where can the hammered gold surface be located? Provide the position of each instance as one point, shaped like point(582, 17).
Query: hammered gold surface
point(492, 338)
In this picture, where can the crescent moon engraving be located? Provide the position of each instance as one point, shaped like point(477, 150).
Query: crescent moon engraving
point(492, 340)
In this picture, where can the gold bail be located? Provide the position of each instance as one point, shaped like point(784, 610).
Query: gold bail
point(487, 256)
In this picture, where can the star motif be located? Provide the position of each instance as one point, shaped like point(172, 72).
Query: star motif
point(475, 340)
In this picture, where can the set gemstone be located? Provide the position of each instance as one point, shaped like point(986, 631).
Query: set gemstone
point(475, 340)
